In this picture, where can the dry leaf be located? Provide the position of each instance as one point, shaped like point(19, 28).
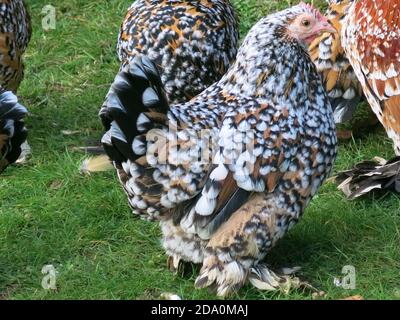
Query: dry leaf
point(96, 164)
point(69, 132)
point(319, 294)
point(56, 184)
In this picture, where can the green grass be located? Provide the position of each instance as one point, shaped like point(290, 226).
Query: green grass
point(50, 214)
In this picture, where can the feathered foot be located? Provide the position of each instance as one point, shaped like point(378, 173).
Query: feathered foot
point(173, 263)
point(176, 265)
point(227, 277)
point(265, 279)
point(230, 276)
point(378, 174)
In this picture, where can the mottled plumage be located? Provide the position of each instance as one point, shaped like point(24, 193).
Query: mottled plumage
point(371, 41)
point(15, 33)
point(231, 171)
point(367, 176)
point(192, 42)
point(12, 128)
point(341, 83)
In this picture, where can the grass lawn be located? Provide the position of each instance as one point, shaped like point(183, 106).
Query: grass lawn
point(51, 214)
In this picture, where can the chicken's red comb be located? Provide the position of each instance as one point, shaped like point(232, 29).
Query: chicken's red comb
point(310, 7)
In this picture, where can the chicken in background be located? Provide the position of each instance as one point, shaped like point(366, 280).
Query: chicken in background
point(327, 52)
point(15, 33)
point(371, 41)
point(192, 42)
point(228, 173)
point(12, 128)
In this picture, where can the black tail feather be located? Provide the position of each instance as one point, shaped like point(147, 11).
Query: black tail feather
point(344, 109)
point(368, 176)
point(110, 150)
point(135, 97)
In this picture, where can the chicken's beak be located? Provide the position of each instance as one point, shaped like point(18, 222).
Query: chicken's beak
point(324, 26)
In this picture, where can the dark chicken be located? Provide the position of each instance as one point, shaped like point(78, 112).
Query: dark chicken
point(341, 83)
point(228, 173)
point(371, 40)
point(12, 128)
point(15, 33)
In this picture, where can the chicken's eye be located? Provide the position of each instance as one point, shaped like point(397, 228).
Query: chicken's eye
point(306, 23)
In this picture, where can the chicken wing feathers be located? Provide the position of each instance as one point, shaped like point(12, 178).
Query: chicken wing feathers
point(256, 144)
point(372, 44)
point(371, 40)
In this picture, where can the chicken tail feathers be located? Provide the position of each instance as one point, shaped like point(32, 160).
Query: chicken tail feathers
point(136, 104)
point(12, 128)
point(368, 176)
point(344, 107)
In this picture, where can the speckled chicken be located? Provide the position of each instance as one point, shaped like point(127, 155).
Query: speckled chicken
point(192, 43)
point(228, 173)
point(371, 40)
point(15, 33)
point(341, 83)
point(12, 128)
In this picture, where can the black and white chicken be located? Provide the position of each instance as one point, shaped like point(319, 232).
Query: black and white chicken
point(192, 42)
point(228, 173)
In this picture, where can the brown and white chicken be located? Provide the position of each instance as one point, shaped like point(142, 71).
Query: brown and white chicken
point(15, 33)
point(228, 173)
point(327, 52)
point(192, 42)
point(12, 128)
point(371, 40)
